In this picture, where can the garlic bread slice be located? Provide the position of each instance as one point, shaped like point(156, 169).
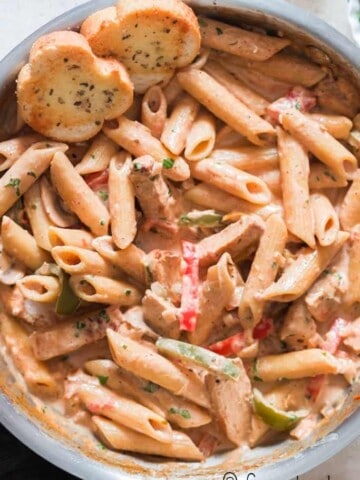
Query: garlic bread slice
point(151, 37)
point(65, 92)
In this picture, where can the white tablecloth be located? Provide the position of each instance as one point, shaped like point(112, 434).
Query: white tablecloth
point(19, 18)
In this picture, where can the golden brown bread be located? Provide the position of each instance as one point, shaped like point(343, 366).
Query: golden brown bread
point(65, 92)
point(151, 37)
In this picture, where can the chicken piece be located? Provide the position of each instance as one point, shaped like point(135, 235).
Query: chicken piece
point(351, 336)
point(165, 267)
point(161, 315)
point(34, 313)
point(235, 239)
point(231, 404)
point(152, 192)
point(299, 328)
point(338, 96)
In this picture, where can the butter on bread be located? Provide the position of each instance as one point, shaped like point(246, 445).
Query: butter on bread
point(151, 38)
point(66, 93)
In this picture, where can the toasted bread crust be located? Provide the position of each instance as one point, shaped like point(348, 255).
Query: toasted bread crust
point(65, 92)
point(151, 37)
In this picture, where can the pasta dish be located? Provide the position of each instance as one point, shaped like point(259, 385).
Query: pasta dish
point(180, 231)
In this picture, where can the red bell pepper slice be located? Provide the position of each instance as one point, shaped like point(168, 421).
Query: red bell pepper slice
point(190, 288)
point(298, 97)
point(97, 179)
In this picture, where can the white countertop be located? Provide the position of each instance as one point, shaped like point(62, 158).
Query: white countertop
point(19, 18)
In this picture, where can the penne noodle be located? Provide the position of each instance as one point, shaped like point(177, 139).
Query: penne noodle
point(11, 150)
point(228, 178)
point(137, 139)
point(172, 91)
point(201, 139)
point(132, 260)
point(321, 176)
point(144, 361)
point(224, 105)
point(352, 294)
point(122, 438)
point(272, 179)
point(286, 67)
point(36, 374)
point(298, 276)
point(150, 395)
point(80, 261)
point(294, 168)
point(100, 400)
point(179, 123)
point(154, 110)
point(39, 220)
point(53, 207)
point(264, 269)
point(24, 172)
point(294, 365)
point(98, 157)
point(94, 288)
point(59, 237)
point(251, 99)
point(71, 334)
point(20, 244)
point(78, 196)
point(208, 196)
point(235, 40)
point(349, 213)
point(40, 288)
point(319, 142)
point(326, 221)
point(122, 201)
point(337, 126)
point(250, 159)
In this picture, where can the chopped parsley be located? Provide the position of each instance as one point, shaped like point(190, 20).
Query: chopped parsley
point(102, 379)
point(297, 105)
point(180, 411)
point(104, 195)
point(14, 183)
point(219, 31)
point(31, 173)
point(137, 167)
point(327, 173)
point(80, 325)
point(168, 163)
point(102, 222)
point(151, 387)
point(103, 314)
point(127, 292)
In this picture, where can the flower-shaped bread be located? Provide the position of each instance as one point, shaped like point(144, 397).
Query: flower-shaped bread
point(65, 92)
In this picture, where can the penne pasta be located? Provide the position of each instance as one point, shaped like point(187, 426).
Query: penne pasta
point(40, 288)
point(98, 157)
point(11, 150)
point(228, 178)
point(128, 353)
point(59, 237)
point(100, 400)
point(326, 221)
point(122, 438)
point(24, 172)
point(250, 159)
point(320, 143)
point(201, 139)
point(251, 99)
point(264, 269)
point(154, 110)
point(298, 276)
point(80, 261)
point(132, 260)
point(95, 288)
point(172, 91)
point(179, 123)
point(36, 374)
point(137, 139)
point(20, 244)
point(39, 220)
point(224, 105)
point(122, 201)
point(293, 365)
point(321, 176)
point(349, 213)
point(227, 138)
point(294, 168)
point(352, 294)
point(337, 126)
point(78, 195)
point(235, 40)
